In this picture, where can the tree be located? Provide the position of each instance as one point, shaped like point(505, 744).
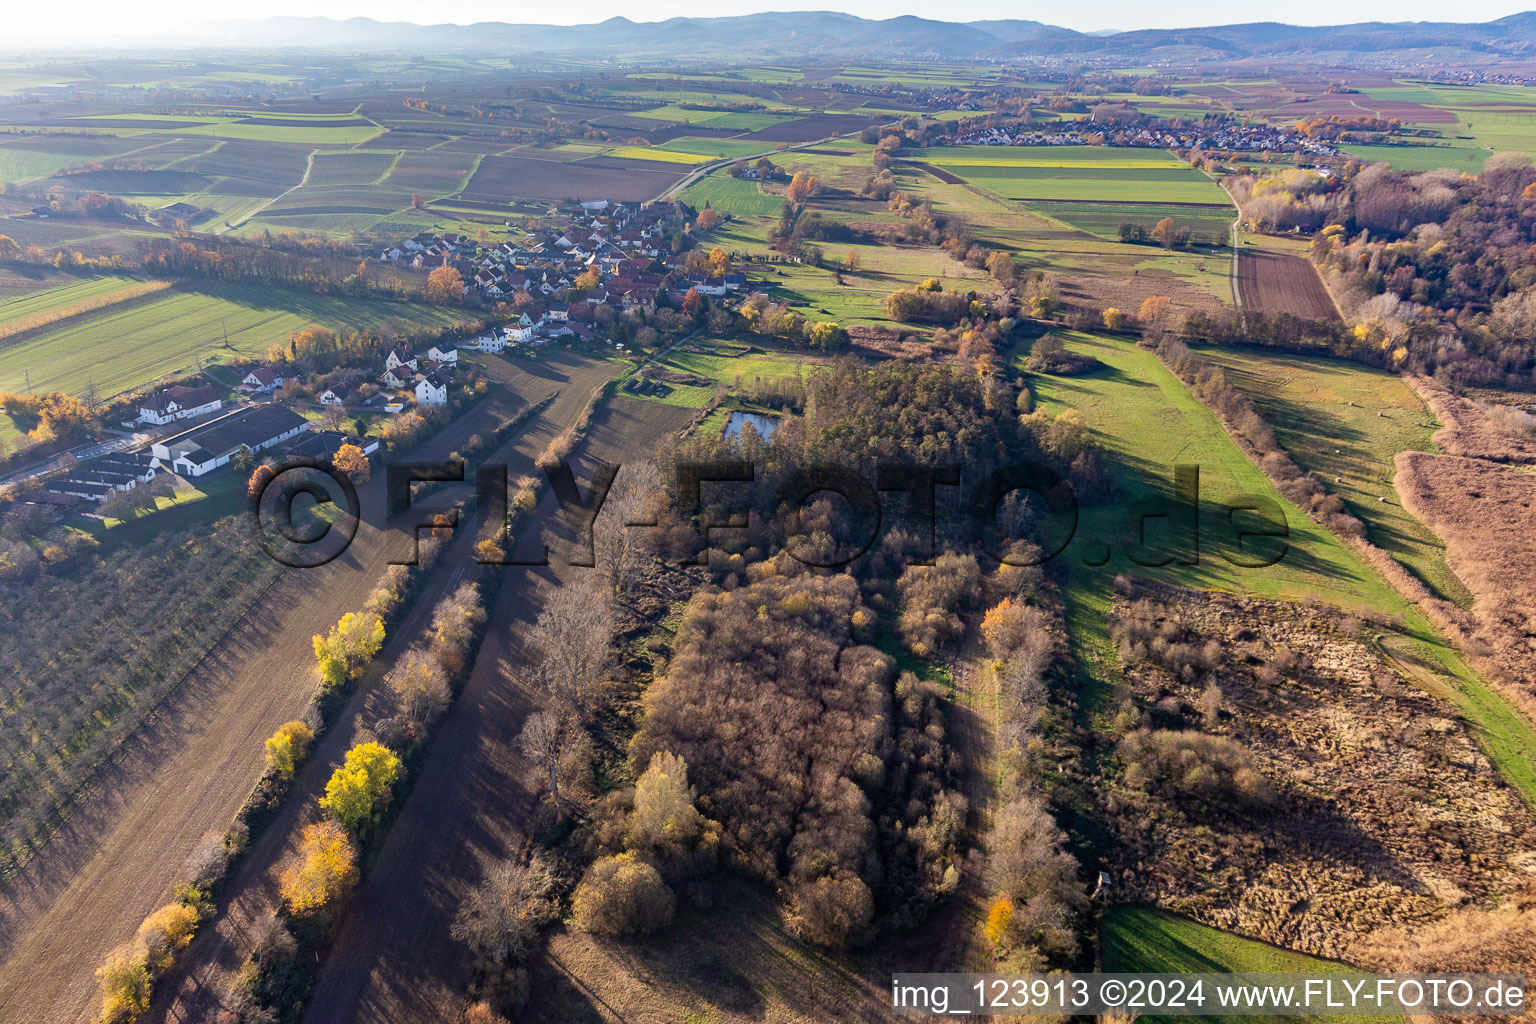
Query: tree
point(665, 818)
point(1154, 309)
point(543, 740)
point(826, 335)
point(1164, 232)
point(1114, 320)
point(500, 918)
point(691, 303)
point(360, 788)
point(418, 200)
point(9, 250)
point(420, 685)
point(851, 261)
point(707, 220)
point(351, 461)
point(629, 501)
point(345, 651)
point(621, 895)
point(832, 911)
point(719, 262)
point(999, 926)
point(125, 983)
point(287, 748)
point(801, 187)
point(326, 869)
point(572, 640)
point(445, 286)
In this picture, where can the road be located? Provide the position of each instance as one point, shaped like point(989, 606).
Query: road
point(187, 772)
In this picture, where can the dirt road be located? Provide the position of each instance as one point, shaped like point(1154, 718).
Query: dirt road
point(393, 959)
point(188, 771)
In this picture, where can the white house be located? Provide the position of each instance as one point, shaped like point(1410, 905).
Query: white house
point(263, 380)
point(398, 378)
point(336, 394)
point(443, 353)
point(179, 402)
point(491, 341)
point(431, 390)
point(400, 357)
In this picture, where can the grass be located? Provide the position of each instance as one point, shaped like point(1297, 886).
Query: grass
point(118, 350)
point(715, 149)
point(1148, 420)
point(1103, 220)
point(1077, 173)
point(1345, 422)
point(736, 196)
point(1140, 940)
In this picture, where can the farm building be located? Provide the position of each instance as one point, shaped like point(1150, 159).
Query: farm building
point(96, 479)
point(207, 446)
point(263, 380)
point(179, 402)
point(324, 444)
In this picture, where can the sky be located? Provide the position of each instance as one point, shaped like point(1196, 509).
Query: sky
point(157, 17)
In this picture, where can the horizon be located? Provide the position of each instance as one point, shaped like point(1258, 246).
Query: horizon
point(174, 19)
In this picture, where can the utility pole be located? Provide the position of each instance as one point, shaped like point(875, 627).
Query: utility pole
point(27, 375)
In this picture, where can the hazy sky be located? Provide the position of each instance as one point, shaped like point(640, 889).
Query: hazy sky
point(139, 17)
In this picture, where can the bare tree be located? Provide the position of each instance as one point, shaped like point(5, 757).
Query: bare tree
point(543, 739)
point(500, 918)
point(420, 684)
point(629, 501)
point(572, 639)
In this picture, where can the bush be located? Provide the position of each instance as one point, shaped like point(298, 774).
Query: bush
point(1194, 767)
point(832, 911)
point(622, 895)
point(360, 788)
point(326, 870)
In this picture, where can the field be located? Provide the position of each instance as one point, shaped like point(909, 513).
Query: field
point(1272, 280)
point(737, 196)
point(1345, 423)
point(1077, 174)
point(119, 350)
point(500, 178)
point(1142, 940)
point(1103, 220)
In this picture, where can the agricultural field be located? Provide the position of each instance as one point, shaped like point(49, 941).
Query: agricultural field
point(175, 329)
point(736, 196)
point(1077, 174)
point(1275, 276)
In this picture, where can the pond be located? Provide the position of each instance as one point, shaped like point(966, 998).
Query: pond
point(764, 424)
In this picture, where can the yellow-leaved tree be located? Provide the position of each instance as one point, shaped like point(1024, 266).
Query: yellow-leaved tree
point(345, 651)
point(326, 869)
point(360, 788)
point(287, 746)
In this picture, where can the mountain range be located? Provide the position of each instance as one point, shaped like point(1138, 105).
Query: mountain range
point(826, 33)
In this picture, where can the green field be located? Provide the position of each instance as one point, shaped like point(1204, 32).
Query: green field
point(715, 149)
point(62, 296)
point(1424, 158)
point(1141, 940)
point(1345, 422)
point(731, 195)
point(1146, 417)
point(1103, 220)
point(119, 350)
point(1077, 173)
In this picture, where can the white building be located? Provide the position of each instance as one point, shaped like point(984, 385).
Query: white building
point(179, 402)
point(207, 446)
point(431, 390)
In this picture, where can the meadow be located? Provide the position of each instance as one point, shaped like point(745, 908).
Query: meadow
point(121, 349)
point(1345, 422)
point(736, 196)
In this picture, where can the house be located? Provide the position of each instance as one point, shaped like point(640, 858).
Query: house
point(179, 402)
point(431, 390)
point(400, 357)
point(336, 394)
point(491, 341)
point(324, 444)
point(201, 449)
point(97, 479)
point(397, 378)
point(445, 352)
point(263, 380)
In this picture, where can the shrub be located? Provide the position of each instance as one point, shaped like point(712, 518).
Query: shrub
point(621, 895)
point(1194, 767)
point(835, 912)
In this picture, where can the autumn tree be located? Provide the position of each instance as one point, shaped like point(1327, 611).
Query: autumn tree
point(665, 819)
point(707, 220)
point(351, 461)
point(125, 984)
point(719, 262)
point(345, 651)
point(326, 869)
point(1164, 232)
point(826, 335)
point(360, 788)
point(543, 741)
point(801, 187)
point(999, 926)
point(287, 748)
point(418, 200)
point(1114, 319)
point(500, 918)
point(445, 286)
point(622, 895)
point(420, 685)
point(9, 250)
point(1154, 310)
point(453, 626)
